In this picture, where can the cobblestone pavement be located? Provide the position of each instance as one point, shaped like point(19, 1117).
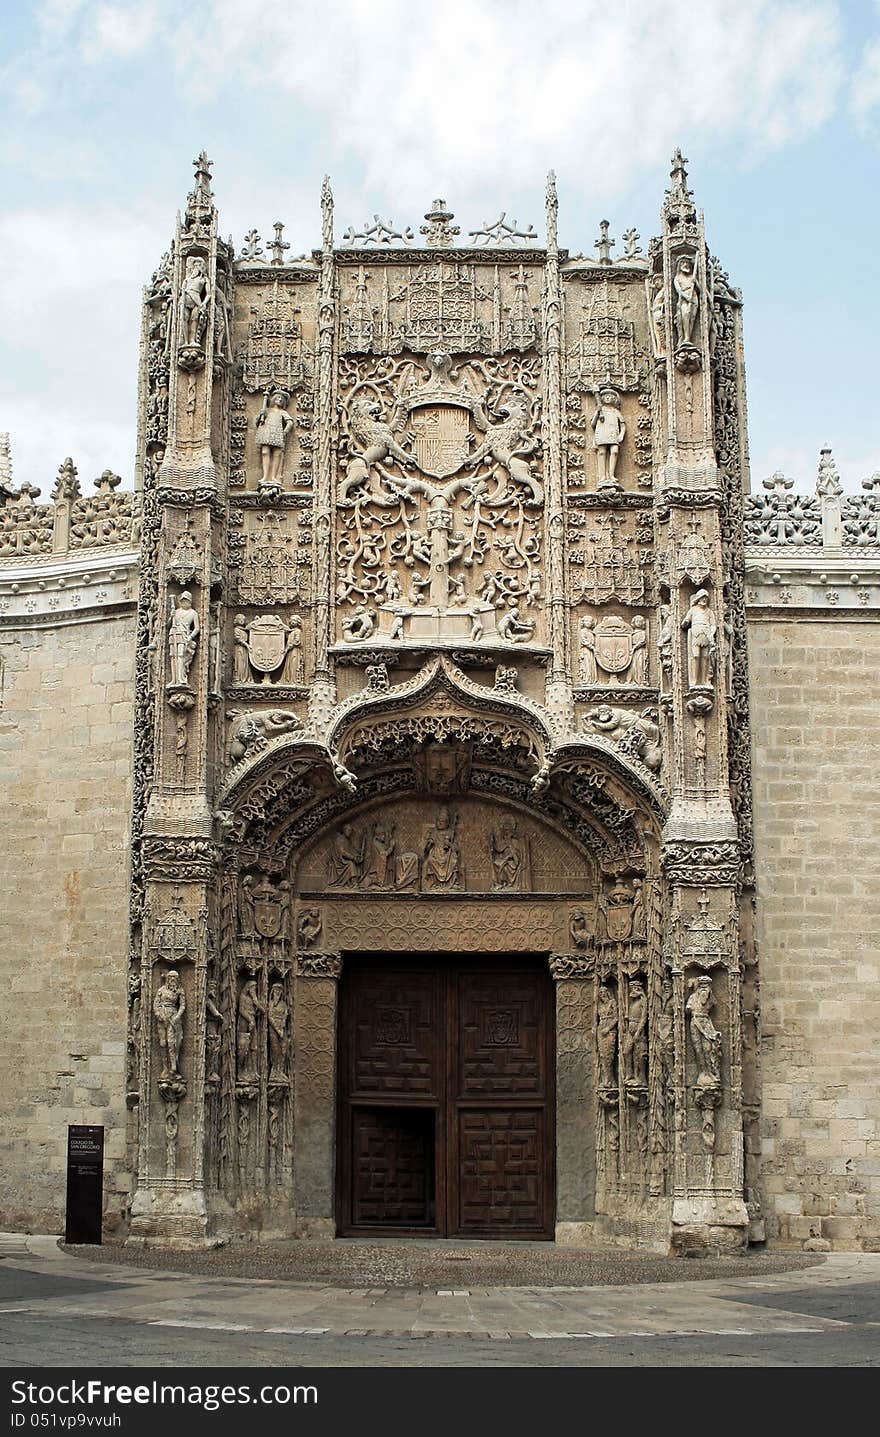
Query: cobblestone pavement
point(115, 1312)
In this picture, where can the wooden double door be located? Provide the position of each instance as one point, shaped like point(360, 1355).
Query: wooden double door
point(446, 1117)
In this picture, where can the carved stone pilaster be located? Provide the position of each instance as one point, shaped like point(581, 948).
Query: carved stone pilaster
point(323, 692)
point(559, 684)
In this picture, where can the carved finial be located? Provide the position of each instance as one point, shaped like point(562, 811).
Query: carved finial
point(107, 482)
point(252, 249)
point(777, 483)
point(277, 246)
point(678, 173)
point(631, 239)
point(603, 243)
point(67, 484)
point(439, 231)
point(200, 201)
point(326, 214)
point(552, 211)
point(6, 489)
point(679, 201)
point(502, 234)
point(872, 484)
point(828, 483)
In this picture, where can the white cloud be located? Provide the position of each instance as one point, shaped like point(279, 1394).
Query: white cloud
point(419, 94)
point(69, 347)
point(471, 88)
point(117, 32)
point(865, 91)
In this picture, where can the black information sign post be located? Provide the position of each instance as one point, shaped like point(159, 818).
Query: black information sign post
point(85, 1183)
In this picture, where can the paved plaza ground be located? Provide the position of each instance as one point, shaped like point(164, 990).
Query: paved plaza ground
point(431, 1305)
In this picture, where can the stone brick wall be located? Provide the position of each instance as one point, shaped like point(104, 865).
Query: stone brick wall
point(815, 712)
point(65, 774)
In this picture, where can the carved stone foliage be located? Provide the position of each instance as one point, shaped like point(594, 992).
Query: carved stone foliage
point(780, 517)
point(861, 516)
point(611, 555)
point(270, 554)
point(73, 521)
point(173, 860)
point(439, 508)
point(459, 307)
point(698, 863)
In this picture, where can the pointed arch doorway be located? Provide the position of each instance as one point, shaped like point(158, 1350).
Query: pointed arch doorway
point(446, 1119)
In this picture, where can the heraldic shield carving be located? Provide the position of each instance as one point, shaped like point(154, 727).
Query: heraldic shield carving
point(267, 643)
point(614, 645)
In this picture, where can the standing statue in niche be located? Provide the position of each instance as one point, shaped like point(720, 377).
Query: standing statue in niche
point(587, 669)
point(249, 1009)
point(183, 635)
point(169, 1006)
point(606, 1036)
point(194, 297)
point(638, 668)
point(705, 1037)
point(609, 431)
point(214, 1021)
point(666, 1034)
point(273, 426)
point(241, 669)
point(635, 1041)
point(441, 868)
point(702, 647)
point(510, 858)
point(658, 314)
point(687, 302)
point(279, 1021)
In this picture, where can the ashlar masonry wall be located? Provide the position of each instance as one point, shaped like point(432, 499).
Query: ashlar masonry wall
point(815, 680)
point(65, 774)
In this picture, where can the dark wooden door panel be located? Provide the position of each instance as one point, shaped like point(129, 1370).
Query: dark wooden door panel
point(393, 1168)
point(500, 1047)
point(446, 1120)
point(501, 1171)
point(395, 1029)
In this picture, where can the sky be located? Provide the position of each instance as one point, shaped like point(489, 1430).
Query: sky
point(776, 104)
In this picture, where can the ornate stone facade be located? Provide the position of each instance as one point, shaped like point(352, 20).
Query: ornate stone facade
point(441, 650)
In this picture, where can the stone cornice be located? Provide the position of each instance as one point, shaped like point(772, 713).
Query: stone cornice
point(44, 590)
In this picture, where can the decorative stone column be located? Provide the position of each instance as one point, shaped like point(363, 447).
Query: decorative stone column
point(178, 850)
point(574, 975)
point(316, 990)
point(701, 856)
